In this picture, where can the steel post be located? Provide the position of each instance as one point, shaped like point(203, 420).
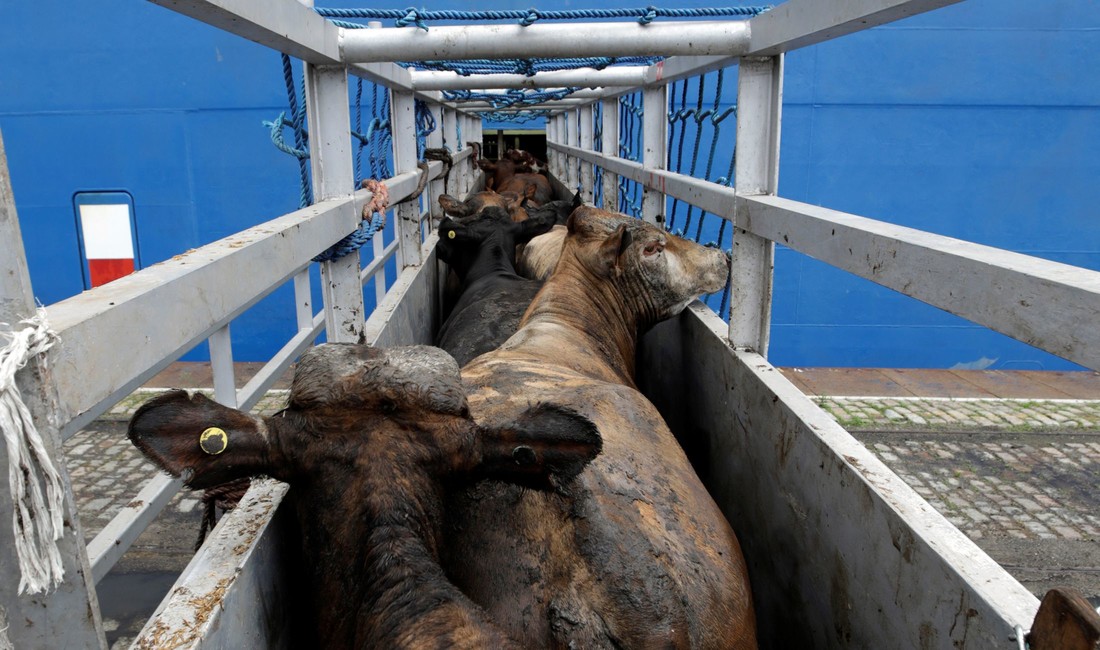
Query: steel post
point(221, 363)
point(587, 135)
point(759, 112)
point(330, 159)
point(403, 122)
point(654, 156)
point(610, 113)
point(67, 617)
point(435, 141)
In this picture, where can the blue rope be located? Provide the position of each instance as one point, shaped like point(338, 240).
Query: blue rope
point(354, 241)
point(425, 124)
point(419, 17)
point(300, 150)
point(517, 117)
point(509, 98)
point(378, 131)
point(527, 67)
point(630, 145)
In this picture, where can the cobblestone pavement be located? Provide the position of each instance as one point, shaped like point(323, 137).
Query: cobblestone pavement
point(961, 413)
point(1020, 477)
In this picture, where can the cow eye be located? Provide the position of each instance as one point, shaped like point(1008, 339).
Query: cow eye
point(388, 406)
point(652, 248)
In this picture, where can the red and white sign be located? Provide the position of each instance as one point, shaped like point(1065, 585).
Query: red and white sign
point(108, 241)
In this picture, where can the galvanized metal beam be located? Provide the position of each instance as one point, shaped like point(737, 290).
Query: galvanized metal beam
point(588, 135)
point(190, 299)
point(549, 40)
point(130, 522)
point(1033, 300)
point(609, 112)
point(1036, 301)
point(403, 122)
point(759, 116)
point(284, 25)
point(483, 105)
point(654, 156)
point(628, 76)
point(67, 617)
point(333, 175)
point(798, 23)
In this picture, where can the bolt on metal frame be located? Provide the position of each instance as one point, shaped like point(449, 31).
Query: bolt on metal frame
point(908, 260)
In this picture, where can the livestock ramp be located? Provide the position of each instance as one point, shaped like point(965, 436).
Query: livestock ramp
point(841, 552)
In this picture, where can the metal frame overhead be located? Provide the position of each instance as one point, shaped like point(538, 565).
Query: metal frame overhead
point(87, 375)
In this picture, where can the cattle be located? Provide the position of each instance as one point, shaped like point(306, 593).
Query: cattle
point(497, 172)
point(370, 440)
point(641, 557)
point(540, 256)
point(492, 296)
point(526, 162)
point(478, 201)
point(535, 188)
point(503, 176)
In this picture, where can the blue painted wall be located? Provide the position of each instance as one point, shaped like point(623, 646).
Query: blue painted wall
point(979, 121)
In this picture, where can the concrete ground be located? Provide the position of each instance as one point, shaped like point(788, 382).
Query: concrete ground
point(1011, 458)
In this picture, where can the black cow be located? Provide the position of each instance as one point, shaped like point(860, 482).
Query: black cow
point(492, 296)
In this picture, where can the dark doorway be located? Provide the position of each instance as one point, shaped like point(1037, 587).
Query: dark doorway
point(497, 141)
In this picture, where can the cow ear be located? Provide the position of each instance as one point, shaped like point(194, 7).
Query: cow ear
point(195, 437)
point(612, 248)
point(452, 229)
point(453, 206)
point(544, 448)
point(577, 202)
point(534, 226)
point(530, 190)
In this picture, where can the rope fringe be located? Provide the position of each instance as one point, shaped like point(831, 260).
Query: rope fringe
point(37, 517)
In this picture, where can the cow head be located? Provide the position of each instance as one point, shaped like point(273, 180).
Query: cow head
point(475, 203)
point(659, 273)
point(359, 417)
point(490, 233)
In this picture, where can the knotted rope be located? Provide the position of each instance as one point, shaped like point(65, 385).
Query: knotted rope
point(444, 156)
point(37, 518)
point(374, 219)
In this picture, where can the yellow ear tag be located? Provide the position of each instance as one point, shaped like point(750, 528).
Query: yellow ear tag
point(213, 441)
point(450, 234)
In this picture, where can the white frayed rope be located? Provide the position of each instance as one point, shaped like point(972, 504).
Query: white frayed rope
point(37, 520)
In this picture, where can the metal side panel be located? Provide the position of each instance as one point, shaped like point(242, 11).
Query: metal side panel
point(841, 552)
point(233, 593)
point(237, 592)
point(409, 315)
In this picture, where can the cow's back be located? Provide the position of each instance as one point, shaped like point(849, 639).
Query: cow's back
point(636, 554)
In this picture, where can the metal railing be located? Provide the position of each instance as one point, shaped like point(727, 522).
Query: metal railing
point(87, 376)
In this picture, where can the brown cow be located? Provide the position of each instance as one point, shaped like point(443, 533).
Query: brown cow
point(540, 256)
point(478, 201)
point(370, 440)
point(642, 558)
point(533, 187)
point(497, 172)
point(526, 162)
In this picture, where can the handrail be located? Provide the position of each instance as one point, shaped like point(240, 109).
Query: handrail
point(1008, 292)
